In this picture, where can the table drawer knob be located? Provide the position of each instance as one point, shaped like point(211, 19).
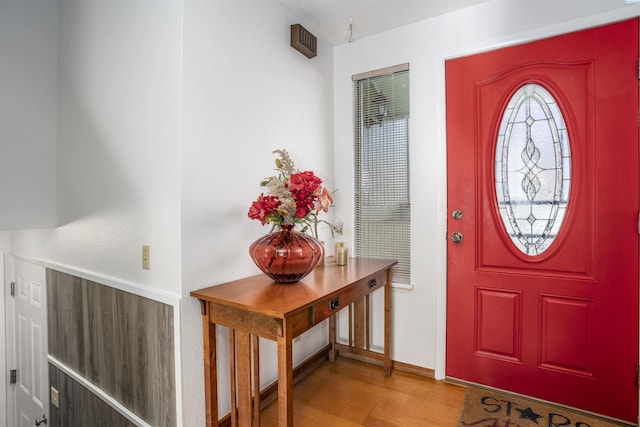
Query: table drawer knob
point(334, 303)
point(373, 283)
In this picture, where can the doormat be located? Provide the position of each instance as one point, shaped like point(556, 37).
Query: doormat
point(487, 408)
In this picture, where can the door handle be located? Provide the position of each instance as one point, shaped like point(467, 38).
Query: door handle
point(42, 420)
point(457, 237)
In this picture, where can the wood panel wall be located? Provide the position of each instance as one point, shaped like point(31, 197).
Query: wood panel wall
point(120, 342)
point(80, 407)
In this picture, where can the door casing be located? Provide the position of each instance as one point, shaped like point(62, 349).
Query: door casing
point(4, 334)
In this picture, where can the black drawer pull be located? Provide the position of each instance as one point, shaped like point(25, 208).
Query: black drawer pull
point(334, 303)
point(373, 283)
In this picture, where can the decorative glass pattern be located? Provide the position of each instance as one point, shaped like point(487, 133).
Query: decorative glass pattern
point(533, 169)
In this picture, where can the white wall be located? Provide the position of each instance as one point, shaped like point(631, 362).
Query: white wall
point(118, 143)
point(28, 39)
point(246, 92)
point(419, 330)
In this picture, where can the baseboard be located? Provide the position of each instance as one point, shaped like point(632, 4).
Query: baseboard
point(413, 369)
point(377, 359)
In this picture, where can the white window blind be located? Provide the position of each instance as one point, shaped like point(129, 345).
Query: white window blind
point(382, 220)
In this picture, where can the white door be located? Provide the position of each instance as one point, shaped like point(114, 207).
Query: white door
point(27, 343)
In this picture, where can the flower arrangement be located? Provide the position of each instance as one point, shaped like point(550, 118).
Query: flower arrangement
point(294, 198)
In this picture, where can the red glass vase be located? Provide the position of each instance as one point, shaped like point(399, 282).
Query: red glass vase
point(286, 255)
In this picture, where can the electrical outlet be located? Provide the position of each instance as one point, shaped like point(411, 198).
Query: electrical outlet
point(146, 258)
point(55, 398)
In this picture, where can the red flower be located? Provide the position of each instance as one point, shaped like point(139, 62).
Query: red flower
point(304, 183)
point(303, 187)
point(264, 206)
point(302, 211)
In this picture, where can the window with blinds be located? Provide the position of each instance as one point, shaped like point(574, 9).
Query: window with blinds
point(382, 222)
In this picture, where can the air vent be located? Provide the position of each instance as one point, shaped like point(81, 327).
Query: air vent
point(303, 41)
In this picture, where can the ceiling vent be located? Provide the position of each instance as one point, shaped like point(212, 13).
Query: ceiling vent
point(303, 41)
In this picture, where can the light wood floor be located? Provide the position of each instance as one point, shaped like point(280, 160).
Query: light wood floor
point(348, 393)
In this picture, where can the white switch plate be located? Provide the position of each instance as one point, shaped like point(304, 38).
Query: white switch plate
point(55, 398)
point(146, 257)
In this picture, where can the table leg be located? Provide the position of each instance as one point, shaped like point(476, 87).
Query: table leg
point(232, 377)
point(332, 338)
point(210, 368)
point(387, 324)
point(367, 317)
point(359, 326)
point(285, 376)
point(256, 381)
point(243, 349)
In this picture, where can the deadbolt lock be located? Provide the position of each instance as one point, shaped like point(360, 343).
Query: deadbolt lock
point(457, 237)
point(457, 214)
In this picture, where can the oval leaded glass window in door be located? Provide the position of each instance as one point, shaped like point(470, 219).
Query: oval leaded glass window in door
point(533, 169)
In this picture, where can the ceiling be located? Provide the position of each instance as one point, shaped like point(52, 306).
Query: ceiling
point(330, 19)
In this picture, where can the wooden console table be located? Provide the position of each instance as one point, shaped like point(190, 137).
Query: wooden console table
point(257, 307)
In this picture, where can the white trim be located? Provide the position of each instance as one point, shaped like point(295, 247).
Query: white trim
point(154, 294)
point(30, 260)
point(177, 352)
point(542, 33)
point(441, 221)
point(402, 287)
point(177, 333)
point(9, 331)
point(98, 392)
point(382, 71)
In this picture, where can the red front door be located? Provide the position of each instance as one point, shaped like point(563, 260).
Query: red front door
point(543, 219)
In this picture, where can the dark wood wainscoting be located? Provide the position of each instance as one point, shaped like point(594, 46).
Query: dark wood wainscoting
point(118, 341)
point(80, 407)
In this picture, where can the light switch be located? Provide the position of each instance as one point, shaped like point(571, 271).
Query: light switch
point(55, 398)
point(146, 259)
